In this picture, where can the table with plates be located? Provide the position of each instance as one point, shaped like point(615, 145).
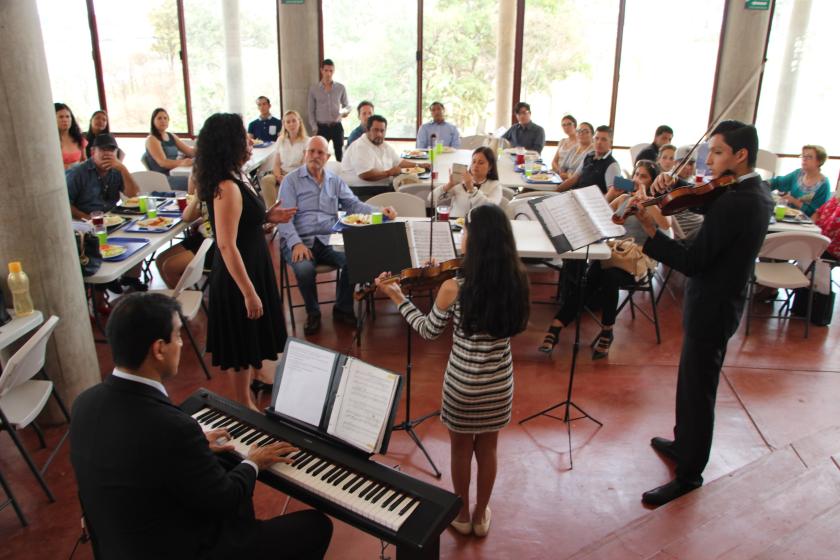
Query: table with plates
point(258, 157)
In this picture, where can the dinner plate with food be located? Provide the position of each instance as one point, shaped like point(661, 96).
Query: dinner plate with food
point(112, 220)
point(356, 220)
point(133, 202)
point(416, 154)
point(110, 251)
point(416, 170)
point(158, 224)
point(543, 178)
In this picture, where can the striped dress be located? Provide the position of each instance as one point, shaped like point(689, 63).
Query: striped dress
point(478, 383)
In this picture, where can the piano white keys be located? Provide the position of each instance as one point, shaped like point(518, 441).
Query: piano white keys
point(368, 498)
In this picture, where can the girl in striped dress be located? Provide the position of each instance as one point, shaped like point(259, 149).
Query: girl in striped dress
point(489, 304)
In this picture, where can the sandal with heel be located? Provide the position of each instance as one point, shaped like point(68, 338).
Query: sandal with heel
point(602, 345)
point(550, 340)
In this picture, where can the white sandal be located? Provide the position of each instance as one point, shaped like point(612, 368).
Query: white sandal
point(481, 529)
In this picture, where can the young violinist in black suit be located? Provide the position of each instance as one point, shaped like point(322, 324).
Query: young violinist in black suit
point(149, 482)
point(718, 264)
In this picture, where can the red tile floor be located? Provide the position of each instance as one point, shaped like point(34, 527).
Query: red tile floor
point(776, 387)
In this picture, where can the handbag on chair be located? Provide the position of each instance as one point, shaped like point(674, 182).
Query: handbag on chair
point(90, 258)
point(628, 256)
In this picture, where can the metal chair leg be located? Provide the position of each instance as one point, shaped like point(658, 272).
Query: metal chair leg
point(11, 500)
point(40, 433)
point(27, 457)
point(198, 353)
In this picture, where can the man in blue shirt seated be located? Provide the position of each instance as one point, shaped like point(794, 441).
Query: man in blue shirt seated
point(445, 132)
point(96, 184)
point(365, 111)
point(318, 196)
point(266, 127)
point(525, 134)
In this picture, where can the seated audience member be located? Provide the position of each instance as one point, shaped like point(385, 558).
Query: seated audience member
point(597, 168)
point(806, 188)
point(525, 133)
point(686, 223)
point(150, 484)
point(479, 185)
point(364, 110)
point(173, 261)
point(666, 158)
point(827, 218)
point(70, 137)
point(371, 158)
point(162, 149)
point(266, 127)
point(95, 185)
point(291, 144)
point(445, 133)
point(318, 195)
point(567, 144)
point(99, 125)
point(664, 135)
point(569, 164)
point(602, 280)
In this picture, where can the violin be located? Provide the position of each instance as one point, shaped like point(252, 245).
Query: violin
point(421, 278)
point(678, 199)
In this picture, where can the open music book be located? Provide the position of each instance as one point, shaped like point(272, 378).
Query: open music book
point(576, 218)
point(394, 246)
point(336, 394)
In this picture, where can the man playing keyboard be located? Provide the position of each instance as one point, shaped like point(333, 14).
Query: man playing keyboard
point(149, 482)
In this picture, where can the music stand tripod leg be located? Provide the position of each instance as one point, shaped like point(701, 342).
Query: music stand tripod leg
point(408, 424)
point(569, 403)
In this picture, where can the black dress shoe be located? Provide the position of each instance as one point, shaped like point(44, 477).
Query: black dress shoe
point(133, 284)
point(666, 447)
point(667, 492)
point(313, 323)
point(346, 317)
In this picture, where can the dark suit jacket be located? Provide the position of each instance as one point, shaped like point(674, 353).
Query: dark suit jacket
point(149, 485)
point(720, 260)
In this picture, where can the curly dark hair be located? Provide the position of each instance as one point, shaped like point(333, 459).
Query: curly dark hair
point(75, 132)
point(490, 156)
point(494, 297)
point(220, 151)
point(152, 130)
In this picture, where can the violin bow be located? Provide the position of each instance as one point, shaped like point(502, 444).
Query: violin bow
point(757, 72)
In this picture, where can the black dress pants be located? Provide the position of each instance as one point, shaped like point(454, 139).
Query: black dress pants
point(697, 383)
point(302, 535)
point(334, 132)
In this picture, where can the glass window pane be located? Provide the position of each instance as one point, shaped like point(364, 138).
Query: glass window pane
point(459, 61)
point(798, 101)
point(69, 57)
point(208, 60)
point(373, 44)
point(674, 42)
point(141, 63)
point(567, 61)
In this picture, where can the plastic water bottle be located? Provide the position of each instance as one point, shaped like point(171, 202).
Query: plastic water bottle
point(19, 286)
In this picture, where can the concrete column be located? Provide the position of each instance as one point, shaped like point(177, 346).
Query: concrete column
point(505, 46)
point(299, 55)
point(742, 51)
point(233, 56)
point(35, 211)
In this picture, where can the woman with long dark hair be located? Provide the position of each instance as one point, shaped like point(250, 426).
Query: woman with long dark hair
point(70, 136)
point(245, 324)
point(99, 124)
point(489, 304)
point(162, 149)
point(479, 184)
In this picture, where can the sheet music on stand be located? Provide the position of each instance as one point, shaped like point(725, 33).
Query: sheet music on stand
point(576, 218)
point(337, 395)
point(443, 245)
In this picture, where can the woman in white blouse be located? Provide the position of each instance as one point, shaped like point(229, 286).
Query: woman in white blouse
point(566, 145)
point(479, 185)
point(291, 144)
point(574, 158)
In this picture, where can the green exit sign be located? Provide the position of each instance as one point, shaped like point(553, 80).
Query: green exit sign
point(758, 4)
point(291, 1)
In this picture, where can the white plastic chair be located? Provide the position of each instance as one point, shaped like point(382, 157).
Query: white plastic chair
point(634, 150)
point(150, 181)
point(419, 190)
point(473, 142)
point(268, 189)
point(766, 161)
point(22, 398)
point(406, 205)
point(504, 204)
point(805, 248)
point(189, 298)
point(508, 193)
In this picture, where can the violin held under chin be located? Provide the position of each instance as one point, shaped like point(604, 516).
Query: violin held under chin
point(421, 278)
point(678, 199)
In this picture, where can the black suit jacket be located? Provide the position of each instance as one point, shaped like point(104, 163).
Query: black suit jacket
point(149, 485)
point(720, 260)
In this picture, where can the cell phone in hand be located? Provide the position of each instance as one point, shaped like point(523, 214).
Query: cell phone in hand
point(458, 170)
point(623, 184)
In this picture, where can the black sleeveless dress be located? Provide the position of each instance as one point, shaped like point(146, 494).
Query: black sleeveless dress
point(234, 340)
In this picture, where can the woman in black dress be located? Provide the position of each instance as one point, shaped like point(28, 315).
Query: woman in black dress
point(245, 324)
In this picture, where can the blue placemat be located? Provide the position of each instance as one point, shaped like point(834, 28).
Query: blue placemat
point(132, 245)
point(136, 228)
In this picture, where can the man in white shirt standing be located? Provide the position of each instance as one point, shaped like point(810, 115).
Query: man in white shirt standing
point(445, 133)
point(371, 158)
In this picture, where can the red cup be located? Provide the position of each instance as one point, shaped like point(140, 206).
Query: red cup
point(443, 213)
point(520, 159)
point(434, 175)
point(182, 203)
point(97, 218)
point(699, 178)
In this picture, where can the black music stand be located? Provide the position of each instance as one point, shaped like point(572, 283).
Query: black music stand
point(371, 250)
point(568, 404)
